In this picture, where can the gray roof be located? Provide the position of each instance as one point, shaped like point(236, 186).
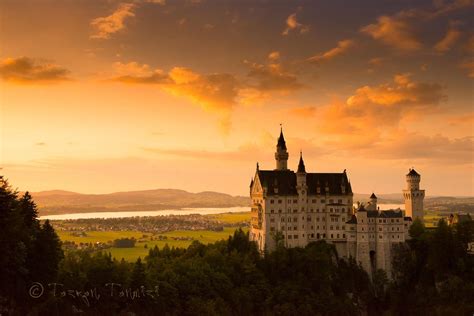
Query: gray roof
point(285, 182)
point(412, 173)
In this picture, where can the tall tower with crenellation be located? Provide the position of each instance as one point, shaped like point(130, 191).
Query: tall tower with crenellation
point(413, 196)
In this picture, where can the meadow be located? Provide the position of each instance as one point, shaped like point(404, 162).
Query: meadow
point(146, 241)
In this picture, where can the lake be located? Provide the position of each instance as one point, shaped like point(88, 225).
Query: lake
point(184, 211)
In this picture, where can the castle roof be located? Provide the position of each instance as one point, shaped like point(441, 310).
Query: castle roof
point(285, 182)
point(373, 196)
point(301, 167)
point(281, 140)
point(391, 214)
point(412, 172)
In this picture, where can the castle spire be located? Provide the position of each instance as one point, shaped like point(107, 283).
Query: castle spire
point(301, 167)
point(281, 154)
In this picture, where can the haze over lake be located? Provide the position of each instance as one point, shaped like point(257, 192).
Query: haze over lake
point(184, 211)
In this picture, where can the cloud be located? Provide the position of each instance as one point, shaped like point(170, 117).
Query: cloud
point(398, 30)
point(395, 31)
point(446, 43)
point(468, 65)
point(433, 149)
point(302, 111)
point(273, 76)
point(29, 70)
point(40, 144)
point(215, 92)
point(372, 110)
point(273, 56)
point(293, 25)
point(133, 72)
point(341, 48)
point(104, 27)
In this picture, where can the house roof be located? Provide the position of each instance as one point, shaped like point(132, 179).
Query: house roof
point(391, 214)
point(285, 182)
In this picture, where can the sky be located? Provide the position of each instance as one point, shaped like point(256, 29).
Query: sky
point(107, 95)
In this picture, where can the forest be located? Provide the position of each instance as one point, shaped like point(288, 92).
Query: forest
point(433, 274)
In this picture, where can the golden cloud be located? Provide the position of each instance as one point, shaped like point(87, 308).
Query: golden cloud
point(273, 77)
point(293, 25)
point(302, 111)
point(367, 114)
point(341, 48)
point(394, 31)
point(29, 70)
point(469, 66)
point(104, 27)
point(451, 37)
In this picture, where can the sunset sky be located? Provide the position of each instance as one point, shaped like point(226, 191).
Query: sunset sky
point(105, 95)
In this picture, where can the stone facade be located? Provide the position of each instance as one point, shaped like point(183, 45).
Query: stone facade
point(296, 208)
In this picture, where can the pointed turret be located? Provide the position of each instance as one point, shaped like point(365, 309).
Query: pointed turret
point(301, 167)
point(281, 155)
point(281, 140)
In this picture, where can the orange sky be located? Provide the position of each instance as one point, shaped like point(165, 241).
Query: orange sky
point(102, 96)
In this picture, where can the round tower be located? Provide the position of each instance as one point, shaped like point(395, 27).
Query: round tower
point(413, 195)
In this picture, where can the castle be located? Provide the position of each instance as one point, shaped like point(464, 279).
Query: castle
point(298, 208)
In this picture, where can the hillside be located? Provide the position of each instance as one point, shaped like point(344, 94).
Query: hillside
point(61, 202)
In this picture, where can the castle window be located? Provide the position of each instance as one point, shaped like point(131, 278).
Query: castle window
point(324, 235)
point(272, 220)
point(271, 201)
point(343, 235)
point(343, 219)
point(339, 201)
point(343, 210)
point(295, 219)
point(313, 201)
point(343, 227)
point(295, 236)
point(289, 201)
point(295, 210)
point(337, 227)
point(330, 227)
point(271, 211)
point(317, 236)
point(272, 229)
point(279, 201)
point(324, 227)
point(279, 211)
point(295, 201)
point(398, 228)
point(330, 210)
point(289, 227)
point(380, 236)
point(332, 236)
point(337, 235)
point(323, 201)
point(282, 219)
point(391, 220)
point(311, 210)
point(352, 228)
point(302, 217)
point(289, 236)
point(331, 201)
point(380, 229)
point(295, 228)
point(303, 235)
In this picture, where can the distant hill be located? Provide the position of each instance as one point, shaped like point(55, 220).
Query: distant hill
point(61, 202)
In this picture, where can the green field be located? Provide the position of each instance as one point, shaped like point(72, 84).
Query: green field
point(131, 254)
point(232, 218)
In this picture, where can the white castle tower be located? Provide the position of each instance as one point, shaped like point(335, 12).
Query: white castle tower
point(413, 196)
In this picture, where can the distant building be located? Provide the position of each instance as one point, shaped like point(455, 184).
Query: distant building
point(296, 208)
point(458, 218)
